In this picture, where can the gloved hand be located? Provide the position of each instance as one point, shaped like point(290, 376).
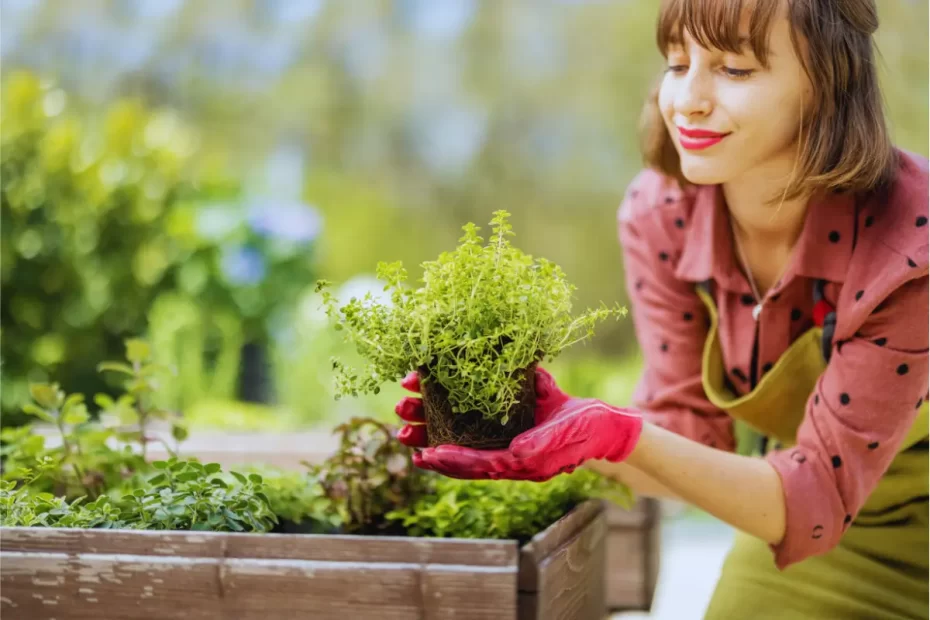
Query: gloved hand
point(568, 432)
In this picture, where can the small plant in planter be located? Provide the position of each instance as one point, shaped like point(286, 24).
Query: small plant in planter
point(182, 495)
point(92, 457)
point(502, 509)
point(482, 319)
point(370, 475)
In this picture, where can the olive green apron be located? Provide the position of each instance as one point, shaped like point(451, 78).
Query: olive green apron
point(880, 567)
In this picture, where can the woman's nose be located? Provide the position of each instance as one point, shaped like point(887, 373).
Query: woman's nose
point(694, 96)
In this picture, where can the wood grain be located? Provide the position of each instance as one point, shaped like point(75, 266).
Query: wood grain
point(571, 578)
point(66, 574)
point(632, 549)
point(124, 587)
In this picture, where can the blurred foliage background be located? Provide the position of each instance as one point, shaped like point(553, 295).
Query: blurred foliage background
point(185, 169)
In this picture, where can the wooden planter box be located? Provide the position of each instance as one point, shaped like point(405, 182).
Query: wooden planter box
point(68, 574)
point(632, 540)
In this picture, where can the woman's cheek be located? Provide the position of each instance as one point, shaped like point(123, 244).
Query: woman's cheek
point(667, 99)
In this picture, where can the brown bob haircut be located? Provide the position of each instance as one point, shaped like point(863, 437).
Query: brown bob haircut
point(845, 142)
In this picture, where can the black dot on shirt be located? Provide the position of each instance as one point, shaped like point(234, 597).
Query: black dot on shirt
point(639, 284)
point(797, 457)
point(634, 193)
point(921, 221)
point(767, 367)
point(664, 347)
point(869, 221)
point(911, 263)
point(836, 460)
point(847, 519)
point(844, 398)
point(747, 300)
point(739, 374)
point(669, 199)
point(834, 237)
point(688, 316)
point(859, 295)
point(795, 314)
point(775, 297)
point(872, 445)
point(881, 341)
point(679, 223)
point(663, 256)
point(920, 401)
point(816, 399)
point(818, 532)
point(902, 369)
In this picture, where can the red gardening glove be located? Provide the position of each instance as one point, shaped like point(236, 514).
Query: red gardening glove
point(568, 432)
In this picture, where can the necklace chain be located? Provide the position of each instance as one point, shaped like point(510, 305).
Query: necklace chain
point(757, 309)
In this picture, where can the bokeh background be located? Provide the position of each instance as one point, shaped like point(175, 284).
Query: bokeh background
point(186, 169)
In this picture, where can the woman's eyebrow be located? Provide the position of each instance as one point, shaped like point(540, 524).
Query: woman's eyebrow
point(745, 43)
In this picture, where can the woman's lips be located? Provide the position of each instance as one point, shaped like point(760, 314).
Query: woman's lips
point(699, 139)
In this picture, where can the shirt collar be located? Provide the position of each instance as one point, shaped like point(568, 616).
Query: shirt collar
point(823, 250)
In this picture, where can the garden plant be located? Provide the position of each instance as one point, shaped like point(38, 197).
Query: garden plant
point(483, 318)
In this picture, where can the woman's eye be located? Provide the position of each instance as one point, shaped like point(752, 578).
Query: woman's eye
point(677, 69)
point(737, 73)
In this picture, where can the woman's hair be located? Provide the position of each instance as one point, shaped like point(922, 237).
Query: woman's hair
point(845, 143)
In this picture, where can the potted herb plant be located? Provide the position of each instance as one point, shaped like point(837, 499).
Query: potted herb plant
point(475, 329)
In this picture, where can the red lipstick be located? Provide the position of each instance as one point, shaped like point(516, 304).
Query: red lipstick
point(699, 139)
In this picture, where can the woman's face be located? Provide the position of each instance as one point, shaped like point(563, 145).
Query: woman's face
point(729, 115)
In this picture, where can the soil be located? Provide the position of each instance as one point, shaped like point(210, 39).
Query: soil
point(471, 429)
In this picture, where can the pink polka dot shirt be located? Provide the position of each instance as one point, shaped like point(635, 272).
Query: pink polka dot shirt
point(872, 256)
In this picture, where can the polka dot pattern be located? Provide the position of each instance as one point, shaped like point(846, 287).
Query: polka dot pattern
point(867, 255)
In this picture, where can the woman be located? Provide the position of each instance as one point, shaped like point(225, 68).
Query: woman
point(776, 256)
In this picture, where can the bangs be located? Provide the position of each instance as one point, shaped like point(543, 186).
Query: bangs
point(715, 24)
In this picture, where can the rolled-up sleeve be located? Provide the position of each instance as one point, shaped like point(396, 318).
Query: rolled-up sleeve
point(863, 407)
point(670, 321)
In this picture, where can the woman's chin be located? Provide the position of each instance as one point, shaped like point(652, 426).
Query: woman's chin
point(702, 170)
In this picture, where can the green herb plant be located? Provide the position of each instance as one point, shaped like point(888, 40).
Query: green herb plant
point(91, 457)
point(482, 313)
point(297, 498)
point(182, 495)
point(137, 407)
point(502, 508)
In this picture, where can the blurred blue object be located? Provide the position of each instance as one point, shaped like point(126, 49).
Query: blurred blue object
point(243, 266)
point(437, 20)
point(289, 221)
point(448, 137)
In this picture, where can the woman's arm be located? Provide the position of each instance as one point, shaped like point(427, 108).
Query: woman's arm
point(639, 483)
point(742, 491)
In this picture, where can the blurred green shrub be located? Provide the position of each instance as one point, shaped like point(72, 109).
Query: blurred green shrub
point(85, 248)
point(111, 221)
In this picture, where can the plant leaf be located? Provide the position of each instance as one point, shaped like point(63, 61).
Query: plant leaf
point(137, 351)
point(119, 367)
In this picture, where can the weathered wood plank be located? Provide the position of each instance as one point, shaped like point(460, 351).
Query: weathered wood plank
point(262, 546)
point(133, 542)
point(42, 586)
point(642, 514)
point(551, 539)
point(571, 579)
point(373, 549)
point(126, 587)
point(341, 590)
